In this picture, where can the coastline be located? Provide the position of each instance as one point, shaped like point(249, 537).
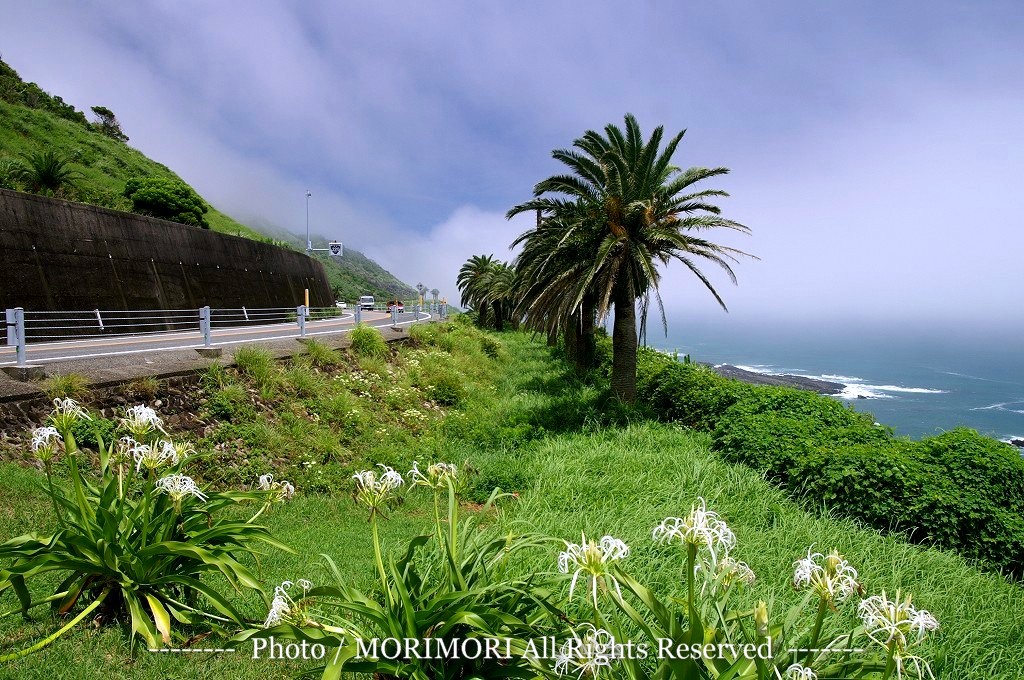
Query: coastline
point(826, 387)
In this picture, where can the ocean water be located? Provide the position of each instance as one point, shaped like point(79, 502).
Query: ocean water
point(921, 381)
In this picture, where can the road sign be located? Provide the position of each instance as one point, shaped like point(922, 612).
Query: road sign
point(335, 248)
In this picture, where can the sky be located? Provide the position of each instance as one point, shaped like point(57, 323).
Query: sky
point(876, 148)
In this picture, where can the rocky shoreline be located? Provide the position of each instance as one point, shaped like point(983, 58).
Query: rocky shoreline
point(800, 382)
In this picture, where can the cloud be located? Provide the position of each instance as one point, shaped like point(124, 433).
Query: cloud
point(873, 146)
point(434, 258)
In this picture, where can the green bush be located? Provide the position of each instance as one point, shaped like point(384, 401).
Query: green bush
point(490, 346)
point(87, 433)
point(367, 341)
point(167, 199)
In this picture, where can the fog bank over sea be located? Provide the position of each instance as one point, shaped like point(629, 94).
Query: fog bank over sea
point(921, 379)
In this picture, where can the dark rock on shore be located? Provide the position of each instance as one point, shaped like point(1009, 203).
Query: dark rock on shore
point(786, 380)
point(1019, 443)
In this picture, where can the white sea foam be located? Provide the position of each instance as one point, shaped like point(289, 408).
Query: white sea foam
point(856, 391)
point(1001, 406)
point(853, 387)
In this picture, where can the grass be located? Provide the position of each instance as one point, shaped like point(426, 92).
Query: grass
point(65, 386)
point(528, 427)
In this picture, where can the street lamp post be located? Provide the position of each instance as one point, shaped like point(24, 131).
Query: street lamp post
point(309, 244)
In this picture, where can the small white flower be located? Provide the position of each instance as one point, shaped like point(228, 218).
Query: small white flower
point(179, 486)
point(66, 412)
point(436, 476)
point(732, 571)
point(898, 625)
point(376, 490)
point(586, 655)
point(282, 491)
point(141, 421)
point(153, 456)
point(284, 609)
point(798, 672)
point(593, 560)
point(45, 438)
point(831, 577)
point(702, 528)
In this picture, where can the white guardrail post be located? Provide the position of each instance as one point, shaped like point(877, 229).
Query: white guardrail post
point(16, 332)
point(205, 325)
point(300, 315)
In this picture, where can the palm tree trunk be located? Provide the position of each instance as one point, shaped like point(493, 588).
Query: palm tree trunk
point(571, 333)
point(587, 350)
point(552, 337)
point(499, 319)
point(624, 343)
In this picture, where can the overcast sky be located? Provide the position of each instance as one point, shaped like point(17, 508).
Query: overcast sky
point(876, 148)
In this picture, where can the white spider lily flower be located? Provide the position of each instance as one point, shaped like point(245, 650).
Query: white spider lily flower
point(799, 672)
point(894, 621)
point(702, 528)
point(46, 441)
point(284, 609)
point(153, 456)
point(592, 560)
point(830, 577)
point(281, 491)
point(732, 571)
point(436, 475)
point(376, 490)
point(587, 655)
point(65, 413)
point(141, 421)
point(179, 486)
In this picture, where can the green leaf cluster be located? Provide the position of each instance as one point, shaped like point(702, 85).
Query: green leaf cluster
point(167, 199)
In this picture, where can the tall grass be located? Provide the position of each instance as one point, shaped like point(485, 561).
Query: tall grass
point(65, 386)
point(367, 341)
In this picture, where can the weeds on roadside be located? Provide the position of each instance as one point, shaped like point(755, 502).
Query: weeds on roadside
point(65, 386)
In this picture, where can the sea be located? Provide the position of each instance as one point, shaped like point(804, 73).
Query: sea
point(919, 379)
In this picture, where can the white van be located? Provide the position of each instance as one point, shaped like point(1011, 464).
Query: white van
point(366, 302)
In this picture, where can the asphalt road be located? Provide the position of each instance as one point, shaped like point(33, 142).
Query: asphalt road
point(38, 353)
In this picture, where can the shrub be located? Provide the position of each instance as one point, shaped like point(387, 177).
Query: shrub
point(65, 386)
point(367, 341)
point(168, 199)
point(89, 433)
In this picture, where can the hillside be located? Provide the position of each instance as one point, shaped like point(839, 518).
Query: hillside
point(32, 120)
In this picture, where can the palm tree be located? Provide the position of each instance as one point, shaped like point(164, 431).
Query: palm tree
point(645, 212)
point(44, 172)
point(472, 282)
point(500, 292)
point(551, 265)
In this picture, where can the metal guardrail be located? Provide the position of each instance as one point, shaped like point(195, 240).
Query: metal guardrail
point(24, 327)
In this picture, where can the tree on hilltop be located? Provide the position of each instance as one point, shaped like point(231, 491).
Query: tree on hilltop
point(167, 199)
point(108, 124)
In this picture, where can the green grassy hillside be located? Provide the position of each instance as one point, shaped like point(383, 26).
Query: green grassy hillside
point(32, 120)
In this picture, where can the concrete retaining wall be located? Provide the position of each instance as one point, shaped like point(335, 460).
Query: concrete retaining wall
point(58, 255)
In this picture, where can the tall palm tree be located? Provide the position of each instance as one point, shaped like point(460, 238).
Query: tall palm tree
point(472, 281)
point(646, 212)
point(500, 292)
point(44, 172)
point(551, 265)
